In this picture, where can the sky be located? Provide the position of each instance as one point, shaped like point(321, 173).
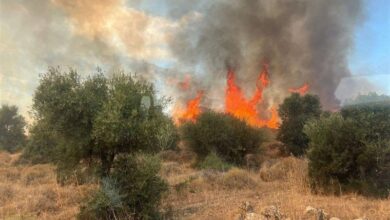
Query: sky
point(35, 34)
point(370, 55)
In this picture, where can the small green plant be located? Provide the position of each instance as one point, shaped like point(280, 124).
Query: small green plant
point(214, 162)
point(106, 203)
point(133, 191)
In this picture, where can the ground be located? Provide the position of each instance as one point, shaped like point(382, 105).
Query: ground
point(31, 192)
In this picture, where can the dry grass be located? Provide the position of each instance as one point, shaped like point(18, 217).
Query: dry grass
point(31, 192)
point(281, 182)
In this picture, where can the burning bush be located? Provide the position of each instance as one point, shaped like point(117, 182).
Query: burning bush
point(229, 137)
point(351, 150)
point(294, 112)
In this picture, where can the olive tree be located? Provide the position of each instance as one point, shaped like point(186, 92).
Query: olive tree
point(11, 128)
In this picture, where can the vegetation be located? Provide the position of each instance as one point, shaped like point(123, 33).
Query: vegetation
point(133, 191)
point(95, 126)
point(95, 119)
point(12, 125)
point(369, 98)
point(32, 192)
point(351, 149)
point(107, 130)
point(294, 112)
point(214, 162)
point(41, 145)
point(228, 137)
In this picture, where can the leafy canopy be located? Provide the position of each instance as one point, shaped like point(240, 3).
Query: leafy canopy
point(352, 148)
point(228, 137)
point(11, 128)
point(92, 120)
point(294, 112)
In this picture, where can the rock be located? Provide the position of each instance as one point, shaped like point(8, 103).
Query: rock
point(247, 212)
point(252, 216)
point(310, 210)
point(319, 214)
point(272, 212)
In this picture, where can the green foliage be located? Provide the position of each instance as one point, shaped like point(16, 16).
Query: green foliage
point(40, 147)
point(350, 151)
point(93, 120)
point(133, 191)
point(214, 162)
point(12, 126)
point(223, 134)
point(369, 98)
point(374, 116)
point(104, 204)
point(294, 112)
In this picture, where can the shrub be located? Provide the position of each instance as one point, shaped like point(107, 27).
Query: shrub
point(133, 190)
point(227, 136)
point(342, 154)
point(237, 179)
point(214, 162)
point(295, 111)
point(12, 125)
point(106, 203)
point(41, 145)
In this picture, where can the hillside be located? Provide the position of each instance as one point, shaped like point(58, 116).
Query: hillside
point(31, 192)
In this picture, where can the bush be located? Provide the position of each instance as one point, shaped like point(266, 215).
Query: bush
point(295, 111)
point(134, 190)
point(237, 179)
point(229, 137)
point(106, 203)
point(12, 125)
point(41, 145)
point(214, 162)
point(343, 155)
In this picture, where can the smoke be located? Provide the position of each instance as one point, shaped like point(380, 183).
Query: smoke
point(82, 34)
point(302, 40)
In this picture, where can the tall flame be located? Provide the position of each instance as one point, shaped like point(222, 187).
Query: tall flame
point(237, 105)
point(191, 112)
point(301, 90)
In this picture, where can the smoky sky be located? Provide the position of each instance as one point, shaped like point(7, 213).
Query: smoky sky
point(302, 40)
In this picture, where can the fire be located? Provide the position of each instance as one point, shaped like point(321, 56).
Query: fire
point(192, 110)
point(301, 90)
point(237, 105)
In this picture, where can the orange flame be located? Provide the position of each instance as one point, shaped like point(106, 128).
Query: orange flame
point(301, 90)
point(191, 112)
point(237, 105)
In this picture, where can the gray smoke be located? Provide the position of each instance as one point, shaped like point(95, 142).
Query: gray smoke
point(302, 40)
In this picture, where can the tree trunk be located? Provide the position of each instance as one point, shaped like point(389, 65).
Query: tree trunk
point(107, 160)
